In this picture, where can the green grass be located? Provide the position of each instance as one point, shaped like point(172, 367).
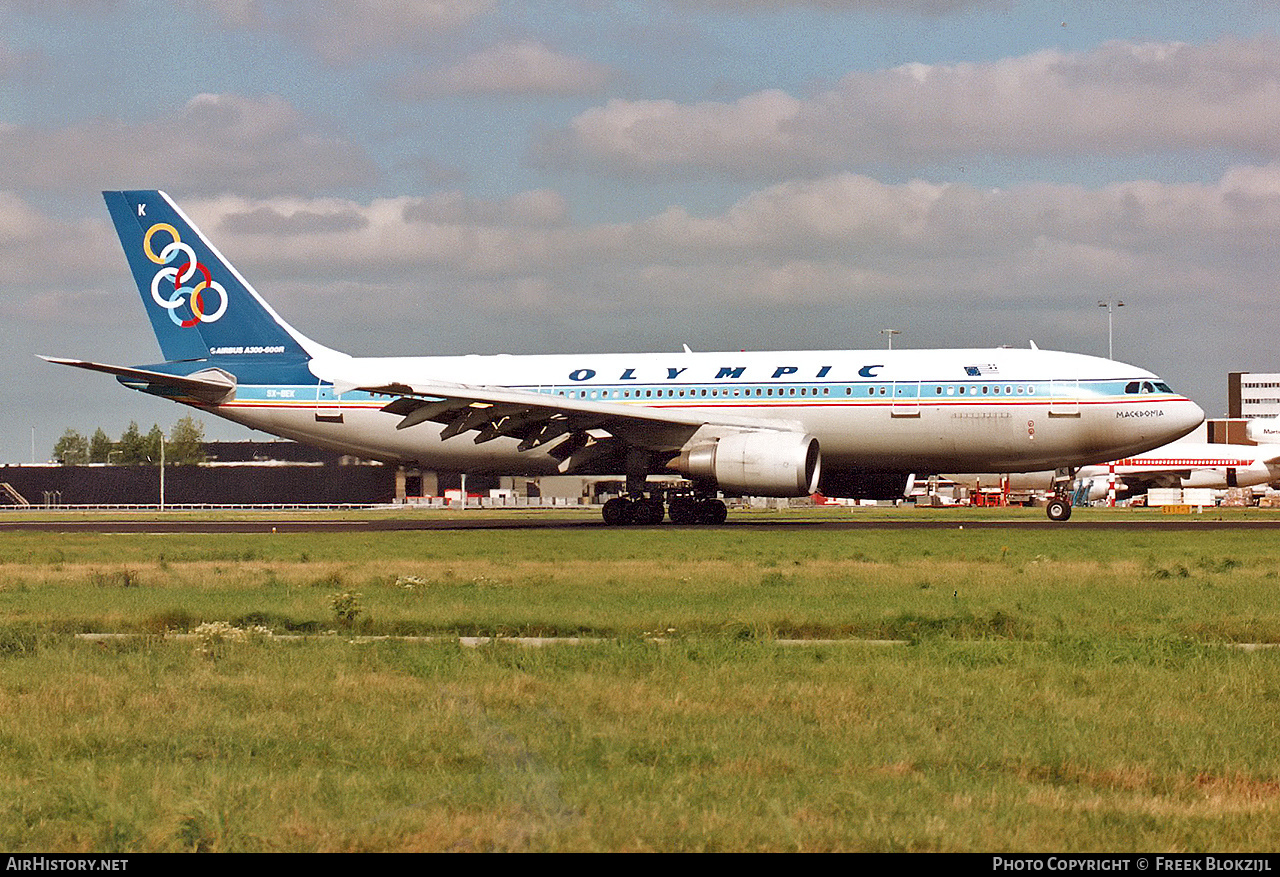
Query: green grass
point(1059, 690)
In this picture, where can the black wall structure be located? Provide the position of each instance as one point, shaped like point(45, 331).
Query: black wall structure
point(240, 473)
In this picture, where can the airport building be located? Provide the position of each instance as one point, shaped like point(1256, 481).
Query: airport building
point(1253, 395)
point(235, 473)
point(280, 473)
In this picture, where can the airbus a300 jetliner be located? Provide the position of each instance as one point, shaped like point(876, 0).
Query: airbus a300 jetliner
point(849, 423)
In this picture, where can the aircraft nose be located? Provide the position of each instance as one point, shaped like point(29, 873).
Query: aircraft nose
point(1184, 416)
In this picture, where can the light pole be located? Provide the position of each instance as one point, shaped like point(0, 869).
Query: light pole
point(890, 333)
point(161, 471)
point(1110, 306)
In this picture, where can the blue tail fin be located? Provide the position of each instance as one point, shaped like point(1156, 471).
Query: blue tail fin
point(199, 305)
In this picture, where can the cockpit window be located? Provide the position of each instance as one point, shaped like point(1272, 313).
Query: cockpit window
point(1147, 387)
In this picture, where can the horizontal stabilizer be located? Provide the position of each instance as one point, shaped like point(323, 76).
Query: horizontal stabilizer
point(210, 385)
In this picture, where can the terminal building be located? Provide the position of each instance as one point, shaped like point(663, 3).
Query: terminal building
point(1253, 395)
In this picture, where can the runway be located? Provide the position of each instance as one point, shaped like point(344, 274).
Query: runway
point(163, 524)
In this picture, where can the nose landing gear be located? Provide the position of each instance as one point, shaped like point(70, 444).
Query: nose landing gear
point(1059, 508)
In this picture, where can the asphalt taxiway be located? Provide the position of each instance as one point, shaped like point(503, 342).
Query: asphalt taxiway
point(162, 524)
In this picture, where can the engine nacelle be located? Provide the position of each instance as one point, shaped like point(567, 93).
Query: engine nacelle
point(755, 463)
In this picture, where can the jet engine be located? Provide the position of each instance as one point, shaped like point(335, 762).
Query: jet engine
point(755, 463)
point(1263, 432)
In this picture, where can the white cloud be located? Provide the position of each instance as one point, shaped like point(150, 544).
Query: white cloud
point(923, 7)
point(806, 242)
point(223, 142)
point(1119, 98)
point(341, 31)
point(39, 251)
point(418, 266)
point(522, 68)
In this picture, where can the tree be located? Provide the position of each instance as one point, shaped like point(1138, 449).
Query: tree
point(100, 447)
point(152, 442)
point(186, 442)
point(132, 446)
point(72, 449)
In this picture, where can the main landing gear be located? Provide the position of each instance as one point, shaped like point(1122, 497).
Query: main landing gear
point(649, 509)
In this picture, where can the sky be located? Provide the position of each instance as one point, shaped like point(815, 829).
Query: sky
point(481, 176)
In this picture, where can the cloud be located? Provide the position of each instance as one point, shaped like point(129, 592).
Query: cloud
point(227, 142)
point(14, 63)
point(840, 238)
point(1119, 98)
point(515, 69)
point(920, 7)
point(343, 31)
point(839, 244)
point(39, 251)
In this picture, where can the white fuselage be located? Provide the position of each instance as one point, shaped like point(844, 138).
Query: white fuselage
point(1186, 464)
point(987, 410)
point(1181, 464)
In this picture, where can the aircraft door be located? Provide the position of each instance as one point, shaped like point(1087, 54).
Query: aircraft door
point(1064, 398)
point(906, 399)
point(327, 410)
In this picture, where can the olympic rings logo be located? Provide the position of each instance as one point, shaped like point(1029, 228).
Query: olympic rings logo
point(181, 275)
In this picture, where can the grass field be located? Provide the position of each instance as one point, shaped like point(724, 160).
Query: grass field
point(1053, 689)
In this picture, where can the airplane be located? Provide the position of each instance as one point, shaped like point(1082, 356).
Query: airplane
point(1181, 464)
point(848, 423)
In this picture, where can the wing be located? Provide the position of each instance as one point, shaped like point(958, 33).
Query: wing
point(584, 435)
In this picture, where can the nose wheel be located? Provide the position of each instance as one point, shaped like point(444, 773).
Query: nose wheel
point(1058, 509)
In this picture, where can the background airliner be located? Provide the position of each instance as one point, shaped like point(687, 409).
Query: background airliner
point(1180, 464)
point(846, 423)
